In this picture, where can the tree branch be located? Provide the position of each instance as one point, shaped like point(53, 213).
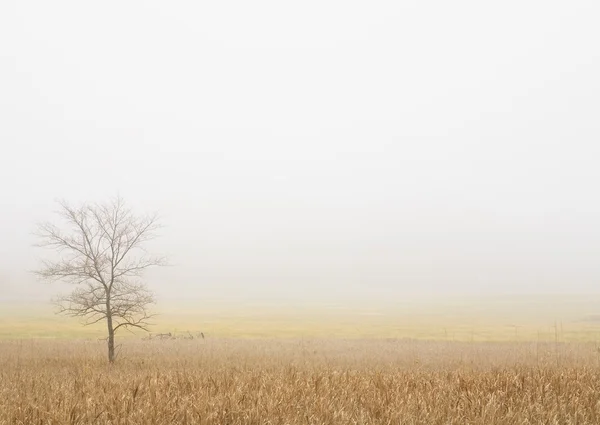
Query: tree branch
point(96, 251)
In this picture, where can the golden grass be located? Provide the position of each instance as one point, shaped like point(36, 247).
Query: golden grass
point(291, 381)
point(268, 322)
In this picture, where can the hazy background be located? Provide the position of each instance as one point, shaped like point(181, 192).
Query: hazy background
point(324, 151)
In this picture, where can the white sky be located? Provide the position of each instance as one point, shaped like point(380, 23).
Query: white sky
point(317, 149)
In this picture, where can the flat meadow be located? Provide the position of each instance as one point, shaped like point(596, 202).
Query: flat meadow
point(259, 366)
point(298, 381)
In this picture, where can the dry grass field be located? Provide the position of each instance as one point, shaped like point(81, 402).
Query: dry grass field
point(293, 381)
point(533, 318)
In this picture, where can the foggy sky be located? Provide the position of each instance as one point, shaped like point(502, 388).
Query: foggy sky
point(317, 149)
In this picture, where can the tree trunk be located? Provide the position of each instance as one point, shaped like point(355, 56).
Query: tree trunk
point(111, 335)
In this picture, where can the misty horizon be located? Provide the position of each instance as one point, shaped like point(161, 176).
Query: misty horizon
point(372, 154)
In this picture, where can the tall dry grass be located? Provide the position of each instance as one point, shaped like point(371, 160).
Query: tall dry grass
point(299, 382)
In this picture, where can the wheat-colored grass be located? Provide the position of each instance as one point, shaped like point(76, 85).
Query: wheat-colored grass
point(228, 381)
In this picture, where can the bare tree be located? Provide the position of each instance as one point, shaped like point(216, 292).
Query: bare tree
point(101, 252)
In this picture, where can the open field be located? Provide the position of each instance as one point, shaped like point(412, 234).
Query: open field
point(501, 362)
point(534, 318)
point(295, 381)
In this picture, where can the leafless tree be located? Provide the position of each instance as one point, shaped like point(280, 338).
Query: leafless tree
point(100, 251)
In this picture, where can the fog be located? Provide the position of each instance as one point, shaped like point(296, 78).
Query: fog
point(320, 151)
